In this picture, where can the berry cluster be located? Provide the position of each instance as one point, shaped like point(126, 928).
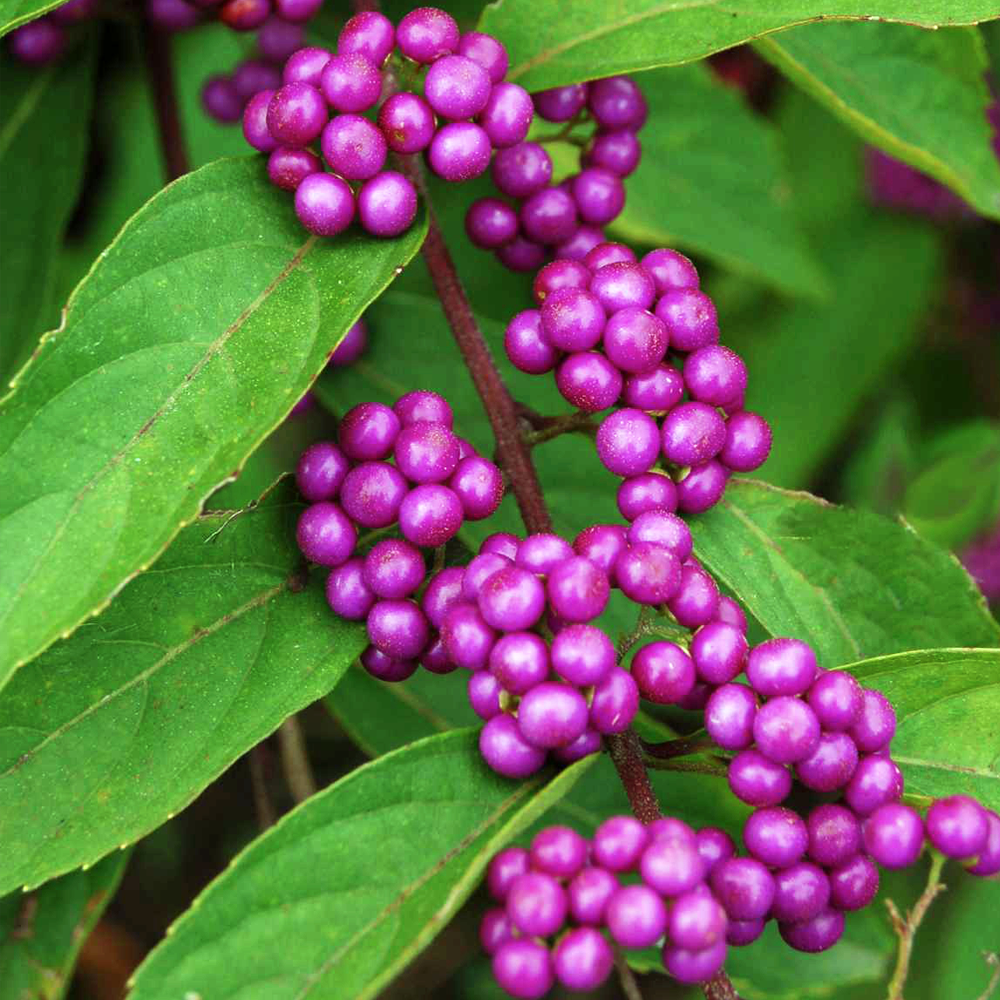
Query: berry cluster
point(562, 220)
point(276, 22)
point(641, 335)
point(466, 110)
point(694, 896)
point(436, 483)
point(44, 40)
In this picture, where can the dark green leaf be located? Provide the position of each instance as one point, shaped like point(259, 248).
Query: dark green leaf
point(42, 182)
point(879, 468)
point(553, 43)
point(947, 705)
point(851, 583)
point(303, 912)
point(919, 95)
point(41, 933)
point(17, 12)
point(190, 340)
point(111, 732)
point(712, 180)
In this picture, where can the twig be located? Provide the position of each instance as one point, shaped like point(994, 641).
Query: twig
point(713, 767)
point(683, 747)
point(553, 427)
point(160, 66)
point(626, 976)
point(263, 807)
point(993, 961)
point(295, 760)
point(906, 929)
point(719, 987)
point(626, 755)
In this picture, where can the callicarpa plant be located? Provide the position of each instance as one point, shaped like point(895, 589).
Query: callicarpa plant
point(475, 626)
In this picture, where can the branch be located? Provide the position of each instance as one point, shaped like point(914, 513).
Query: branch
point(262, 804)
point(626, 976)
point(683, 747)
point(719, 987)
point(161, 80)
point(906, 929)
point(993, 961)
point(295, 760)
point(626, 755)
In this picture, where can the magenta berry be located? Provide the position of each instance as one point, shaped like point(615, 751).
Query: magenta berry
point(663, 672)
point(636, 916)
point(957, 826)
point(524, 968)
point(894, 835)
point(729, 715)
point(427, 33)
point(506, 751)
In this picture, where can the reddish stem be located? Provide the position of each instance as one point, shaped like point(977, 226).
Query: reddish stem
point(159, 63)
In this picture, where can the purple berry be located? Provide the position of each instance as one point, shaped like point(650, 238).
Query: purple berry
point(321, 471)
point(559, 274)
point(459, 151)
point(834, 834)
point(287, 168)
point(536, 904)
point(688, 966)
point(696, 600)
point(393, 569)
point(502, 543)
point(324, 204)
point(519, 661)
point(729, 717)
point(558, 851)
point(426, 452)
point(490, 223)
point(494, 930)
point(306, 66)
point(853, 883)
point(719, 651)
point(671, 828)
point(657, 390)
point(478, 571)
point(484, 694)
point(521, 255)
point(353, 147)
point(423, 405)
point(731, 613)
point(608, 253)
point(781, 667)
point(527, 346)
point(577, 590)
point(776, 836)
point(372, 494)
point(696, 920)
point(876, 781)
point(572, 319)
point(255, 129)
point(744, 887)
point(254, 75)
point(636, 916)
point(615, 702)
point(456, 87)
point(296, 11)
point(662, 528)
point(599, 195)
point(506, 116)
point(715, 375)
point(560, 104)
point(618, 843)
point(801, 892)
point(634, 339)
point(427, 33)
point(894, 835)
point(588, 381)
point(815, 935)
point(552, 715)
point(988, 862)
point(645, 492)
point(618, 152)
point(648, 573)
point(485, 50)
point(582, 655)
point(580, 244)
point(672, 866)
point(368, 432)
point(296, 115)
point(523, 967)
point(757, 780)
point(430, 515)
point(830, 765)
point(702, 488)
point(670, 269)
point(37, 43)
point(398, 629)
point(835, 697)
point(220, 99)
point(748, 442)
point(505, 867)
point(786, 730)
point(624, 285)
point(740, 933)
point(478, 484)
point(387, 204)
point(542, 552)
point(714, 846)
point(957, 826)
point(583, 959)
point(692, 433)
point(246, 15)
point(512, 599)
point(519, 171)
point(690, 318)
point(347, 593)
point(589, 892)
point(628, 442)
point(602, 544)
point(407, 123)
point(615, 102)
point(368, 34)
point(387, 668)
point(663, 672)
point(506, 751)
point(587, 743)
point(876, 724)
point(325, 534)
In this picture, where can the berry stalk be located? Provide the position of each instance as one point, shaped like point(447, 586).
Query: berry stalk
point(160, 66)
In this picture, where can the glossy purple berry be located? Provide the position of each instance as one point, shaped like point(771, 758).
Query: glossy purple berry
point(548, 216)
point(615, 102)
point(731, 613)
point(456, 87)
point(624, 285)
point(536, 904)
point(583, 959)
point(602, 544)
point(786, 730)
point(696, 599)
point(523, 968)
point(512, 599)
point(636, 916)
point(646, 492)
point(484, 693)
point(618, 843)
point(542, 552)
point(587, 743)
point(296, 114)
point(387, 668)
point(325, 534)
point(692, 433)
point(397, 628)
point(572, 319)
point(490, 223)
point(353, 147)
point(306, 66)
point(368, 34)
point(347, 593)
point(296, 11)
point(505, 867)
point(748, 442)
point(729, 716)
point(648, 573)
point(719, 651)
point(427, 33)
point(521, 255)
point(459, 151)
point(494, 930)
point(702, 488)
point(559, 274)
point(426, 452)
point(831, 765)
point(876, 781)
point(220, 99)
point(740, 933)
point(519, 661)
point(619, 152)
point(853, 883)
point(506, 751)
point(321, 471)
point(696, 920)
point(478, 571)
point(478, 484)
point(690, 318)
point(988, 861)
point(688, 966)
point(559, 851)
point(406, 122)
point(656, 390)
point(577, 590)
point(776, 836)
point(588, 893)
point(246, 15)
point(714, 846)
point(801, 892)
point(662, 528)
point(615, 702)
point(663, 672)
point(957, 826)
point(608, 253)
point(393, 569)
point(527, 346)
point(506, 116)
point(818, 934)
point(672, 828)
point(672, 866)
point(715, 375)
point(588, 381)
point(519, 171)
point(781, 667)
point(835, 697)
point(582, 655)
point(876, 724)
point(422, 405)
point(756, 779)
point(744, 887)
point(387, 204)
point(368, 431)
point(580, 243)
point(486, 51)
point(552, 715)
point(372, 494)
point(287, 168)
point(255, 129)
point(430, 515)
point(634, 339)
point(628, 442)
point(894, 835)
point(560, 104)
point(834, 834)
point(599, 195)
point(670, 269)
point(324, 204)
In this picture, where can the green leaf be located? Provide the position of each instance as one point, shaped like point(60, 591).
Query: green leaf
point(712, 180)
point(947, 705)
point(957, 495)
point(35, 104)
point(304, 911)
point(191, 339)
point(919, 95)
point(851, 583)
point(553, 43)
point(16, 12)
point(114, 730)
point(879, 468)
point(41, 933)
